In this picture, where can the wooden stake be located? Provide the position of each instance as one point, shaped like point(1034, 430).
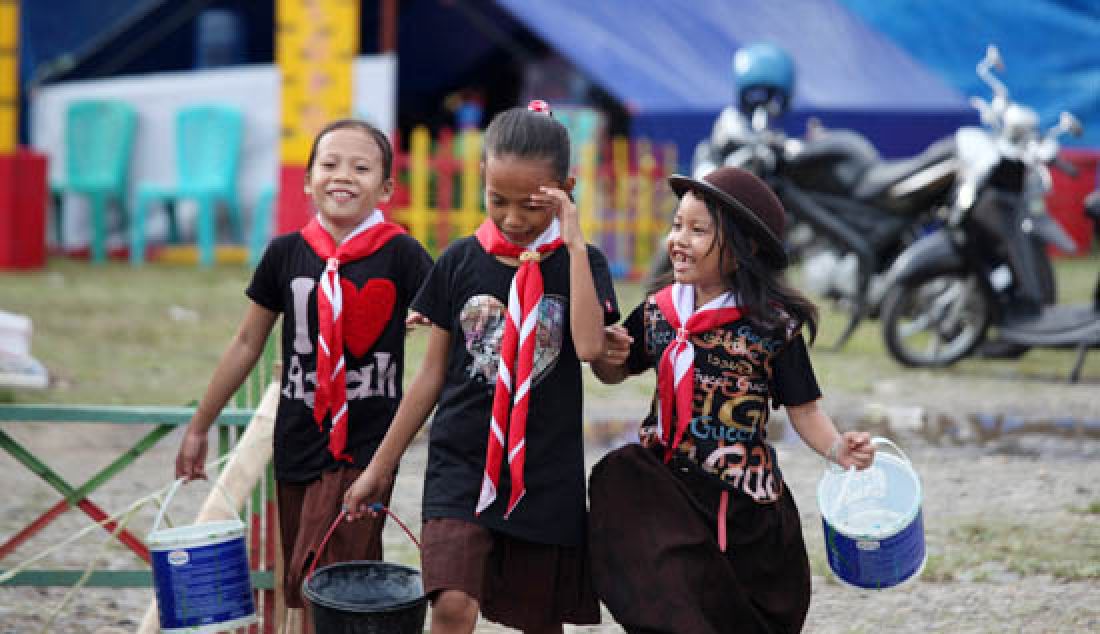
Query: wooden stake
point(237, 478)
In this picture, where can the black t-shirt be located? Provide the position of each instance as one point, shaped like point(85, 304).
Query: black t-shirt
point(286, 281)
point(465, 294)
point(740, 369)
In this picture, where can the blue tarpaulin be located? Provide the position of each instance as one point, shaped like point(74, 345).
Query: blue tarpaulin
point(669, 61)
point(671, 56)
point(1051, 48)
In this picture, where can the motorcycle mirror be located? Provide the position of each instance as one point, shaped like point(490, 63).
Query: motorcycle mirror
point(1071, 124)
point(993, 57)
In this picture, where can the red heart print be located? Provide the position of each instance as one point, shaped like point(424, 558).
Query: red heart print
point(367, 310)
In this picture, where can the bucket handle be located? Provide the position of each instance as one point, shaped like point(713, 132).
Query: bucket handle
point(377, 507)
point(881, 440)
point(176, 487)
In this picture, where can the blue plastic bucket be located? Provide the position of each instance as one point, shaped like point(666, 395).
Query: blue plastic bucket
point(872, 520)
point(201, 577)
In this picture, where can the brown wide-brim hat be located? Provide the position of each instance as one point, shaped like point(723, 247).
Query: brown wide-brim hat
point(749, 201)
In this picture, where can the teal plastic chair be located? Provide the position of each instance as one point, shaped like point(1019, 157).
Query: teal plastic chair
point(208, 152)
point(99, 141)
point(263, 222)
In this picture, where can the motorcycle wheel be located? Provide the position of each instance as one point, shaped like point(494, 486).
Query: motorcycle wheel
point(935, 321)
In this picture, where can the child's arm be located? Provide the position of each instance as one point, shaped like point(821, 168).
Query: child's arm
point(585, 314)
point(611, 368)
point(818, 431)
point(236, 362)
point(415, 406)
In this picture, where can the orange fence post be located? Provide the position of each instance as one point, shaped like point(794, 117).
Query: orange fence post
point(416, 215)
point(644, 237)
point(588, 185)
point(470, 182)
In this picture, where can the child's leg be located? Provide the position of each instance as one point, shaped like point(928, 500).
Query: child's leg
point(454, 612)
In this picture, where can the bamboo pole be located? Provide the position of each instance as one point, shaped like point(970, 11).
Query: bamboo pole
point(241, 473)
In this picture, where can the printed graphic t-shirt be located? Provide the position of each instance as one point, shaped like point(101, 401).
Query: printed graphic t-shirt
point(465, 294)
point(740, 369)
point(286, 281)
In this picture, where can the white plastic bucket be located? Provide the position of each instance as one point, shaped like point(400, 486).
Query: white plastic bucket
point(872, 520)
point(200, 575)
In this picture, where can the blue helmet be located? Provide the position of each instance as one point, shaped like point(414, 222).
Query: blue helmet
point(763, 74)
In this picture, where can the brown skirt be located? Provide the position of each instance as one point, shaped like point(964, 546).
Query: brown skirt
point(306, 512)
point(517, 583)
point(656, 561)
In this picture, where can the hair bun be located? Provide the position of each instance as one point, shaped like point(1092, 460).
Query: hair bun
point(540, 106)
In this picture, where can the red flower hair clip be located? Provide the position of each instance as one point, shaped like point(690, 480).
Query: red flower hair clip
point(538, 105)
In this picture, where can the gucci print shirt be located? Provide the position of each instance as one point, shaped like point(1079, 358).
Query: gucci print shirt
point(741, 371)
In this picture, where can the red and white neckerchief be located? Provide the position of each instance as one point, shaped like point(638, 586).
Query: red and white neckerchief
point(676, 370)
point(332, 394)
point(517, 358)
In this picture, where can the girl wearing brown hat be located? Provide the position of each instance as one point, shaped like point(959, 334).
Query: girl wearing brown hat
point(693, 530)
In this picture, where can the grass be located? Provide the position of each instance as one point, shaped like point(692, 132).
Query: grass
point(111, 334)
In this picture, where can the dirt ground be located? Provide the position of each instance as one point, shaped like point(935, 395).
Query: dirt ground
point(1012, 515)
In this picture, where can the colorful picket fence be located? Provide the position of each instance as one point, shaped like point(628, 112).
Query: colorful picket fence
point(622, 193)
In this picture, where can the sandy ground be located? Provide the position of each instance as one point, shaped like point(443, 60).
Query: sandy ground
point(1004, 512)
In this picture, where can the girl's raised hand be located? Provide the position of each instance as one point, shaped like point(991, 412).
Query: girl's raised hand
point(566, 213)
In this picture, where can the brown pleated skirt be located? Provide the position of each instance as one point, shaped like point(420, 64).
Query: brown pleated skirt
point(306, 512)
point(517, 583)
point(655, 557)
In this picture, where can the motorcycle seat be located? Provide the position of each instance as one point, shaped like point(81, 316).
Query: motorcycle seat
point(880, 177)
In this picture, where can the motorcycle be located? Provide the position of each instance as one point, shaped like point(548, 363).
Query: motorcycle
point(988, 265)
point(850, 212)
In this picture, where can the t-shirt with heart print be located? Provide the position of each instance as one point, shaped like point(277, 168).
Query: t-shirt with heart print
point(377, 291)
point(465, 294)
point(740, 370)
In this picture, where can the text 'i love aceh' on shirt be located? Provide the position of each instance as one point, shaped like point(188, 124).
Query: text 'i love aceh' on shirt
point(377, 292)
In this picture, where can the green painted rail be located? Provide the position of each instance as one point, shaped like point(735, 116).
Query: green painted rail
point(261, 579)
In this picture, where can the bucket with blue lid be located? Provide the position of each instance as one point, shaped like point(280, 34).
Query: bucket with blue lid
point(872, 520)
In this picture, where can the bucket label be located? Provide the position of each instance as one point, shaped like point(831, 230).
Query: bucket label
point(876, 563)
point(202, 585)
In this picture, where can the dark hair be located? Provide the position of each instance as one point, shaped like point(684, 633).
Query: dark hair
point(356, 124)
point(762, 293)
point(526, 134)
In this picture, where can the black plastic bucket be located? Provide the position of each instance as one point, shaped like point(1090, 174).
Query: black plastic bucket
point(366, 597)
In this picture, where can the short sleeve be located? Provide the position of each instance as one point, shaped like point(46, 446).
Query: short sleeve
point(419, 264)
point(605, 288)
point(638, 360)
point(264, 288)
point(793, 379)
point(434, 298)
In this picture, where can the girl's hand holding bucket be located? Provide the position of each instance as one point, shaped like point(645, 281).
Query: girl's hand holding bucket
point(369, 487)
point(852, 449)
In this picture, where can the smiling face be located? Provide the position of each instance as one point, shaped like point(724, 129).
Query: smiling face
point(695, 248)
point(347, 180)
point(509, 184)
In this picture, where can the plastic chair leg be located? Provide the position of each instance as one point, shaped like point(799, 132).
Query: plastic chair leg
point(260, 233)
point(98, 204)
point(137, 231)
point(170, 205)
point(205, 234)
point(236, 225)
